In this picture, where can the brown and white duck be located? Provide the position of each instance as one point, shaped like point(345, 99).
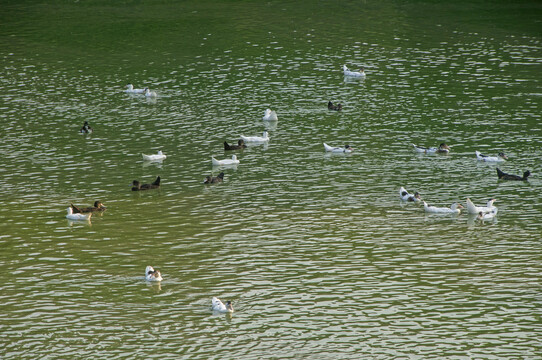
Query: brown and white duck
point(98, 207)
point(214, 179)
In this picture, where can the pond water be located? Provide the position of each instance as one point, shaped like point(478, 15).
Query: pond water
point(316, 251)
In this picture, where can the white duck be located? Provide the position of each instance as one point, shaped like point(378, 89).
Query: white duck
point(219, 306)
point(500, 157)
point(360, 73)
point(442, 149)
point(152, 275)
point(157, 157)
point(406, 196)
point(225, 162)
point(270, 115)
point(345, 149)
point(454, 209)
point(78, 216)
point(473, 209)
point(149, 93)
point(130, 90)
point(256, 139)
point(489, 215)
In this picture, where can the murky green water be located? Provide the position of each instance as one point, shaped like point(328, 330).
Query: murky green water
point(317, 253)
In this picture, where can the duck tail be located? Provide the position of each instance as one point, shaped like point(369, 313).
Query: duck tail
point(226, 145)
point(157, 181)
point(75, 209)
point(500, 174)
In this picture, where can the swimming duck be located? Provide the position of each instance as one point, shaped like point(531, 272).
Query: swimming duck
point(504, 176)
point(346, 149)
point(149, 93)
point(338, 107)
point(500, 157)
point(360, 73)
point(137, 186)
point(442, 149)
point(214, 179)
point(488, 215)
point(225, 162)
point(240, 145)
point(454, 209)
point(152, 275)
point(157, 157)
point(256, 139)
point(86, 129)
point(130, 90)
point(221, 307)
point(98, 207)
point(72, 216)
point(270, 115)
point(473, 209)
point(406, 196)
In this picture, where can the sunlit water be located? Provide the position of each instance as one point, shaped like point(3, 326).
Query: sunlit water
point(316, 251)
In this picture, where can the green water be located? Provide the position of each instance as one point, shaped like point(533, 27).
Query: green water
point(317, 253)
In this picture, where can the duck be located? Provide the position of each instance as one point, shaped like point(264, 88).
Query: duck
point(499, 158)
point(219, 306)
point(488, 215)
point(504, 176)
point(149, 93)
point(347, 72)
point(346, 149)
point(130, 90)
point(455, 208)
point(137, 186)
point(72, 216)
point(240, 145)
point(475, 210)
point(214, 179)
point(406, 196)
point(270, 115)
point(156, 157)
point(337, 107)
point(256, 139)
point(225, 162)
point(152, 275)
point(86, 129)
point(98, 207)
point(442, 149)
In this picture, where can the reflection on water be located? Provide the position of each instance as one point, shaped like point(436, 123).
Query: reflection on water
point(313, 248)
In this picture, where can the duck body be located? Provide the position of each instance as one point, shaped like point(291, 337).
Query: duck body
point(156, 157)
point(152, 275)
point(86, 129)
point(499, 158)
point(240, 145)
point(130, 90)
point(219, 306)
point(475, 210)
point(214, 179)
point(347, 72)
point(256, 139)
point(504, 176)
point(406, 196)
point(442, 149)
point(137, 186)
point(337, 107)
point(72, 216)
point(455, 208)
point(225, 162)
point(270, 115)
point(346, 149)
point(149, 93)
point(488, 215)
point(98, 207)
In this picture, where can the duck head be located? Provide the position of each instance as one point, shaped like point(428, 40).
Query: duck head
point(443, 146)
point(229, 306)
point(526, 174)
point(503, 156)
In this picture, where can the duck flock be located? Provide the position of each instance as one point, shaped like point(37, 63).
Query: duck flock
point(484, 212)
